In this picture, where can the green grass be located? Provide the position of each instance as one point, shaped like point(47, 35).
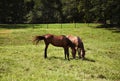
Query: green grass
point(20, 60)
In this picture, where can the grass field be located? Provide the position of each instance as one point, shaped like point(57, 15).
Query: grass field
point(20, 60)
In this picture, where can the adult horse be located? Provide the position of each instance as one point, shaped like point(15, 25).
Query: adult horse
point(79, 46)
point(59, 41)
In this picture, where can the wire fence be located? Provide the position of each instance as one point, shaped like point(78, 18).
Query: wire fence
point(61, 25)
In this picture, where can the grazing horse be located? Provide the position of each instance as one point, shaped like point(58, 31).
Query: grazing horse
point(79, 46)
point(59, 41)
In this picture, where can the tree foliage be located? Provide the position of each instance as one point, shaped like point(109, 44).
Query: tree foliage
point(60, 11)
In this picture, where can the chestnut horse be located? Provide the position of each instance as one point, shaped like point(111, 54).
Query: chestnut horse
point(79, 46)
point(59, 41)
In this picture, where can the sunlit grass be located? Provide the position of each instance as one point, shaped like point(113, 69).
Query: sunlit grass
point(20, 60)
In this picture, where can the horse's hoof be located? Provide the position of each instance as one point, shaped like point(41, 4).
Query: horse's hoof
point(68, 59)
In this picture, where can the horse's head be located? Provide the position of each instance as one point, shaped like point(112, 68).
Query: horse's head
point(83, 54)
point(82, 50)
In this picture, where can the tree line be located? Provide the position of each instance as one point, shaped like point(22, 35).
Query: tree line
point(60, 11)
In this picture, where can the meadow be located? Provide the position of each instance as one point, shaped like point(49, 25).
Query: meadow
point(20, 60)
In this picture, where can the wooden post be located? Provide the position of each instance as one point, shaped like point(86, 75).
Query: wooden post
point(61, 25)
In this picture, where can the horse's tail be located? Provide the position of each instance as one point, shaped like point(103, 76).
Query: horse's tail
point(36, 39)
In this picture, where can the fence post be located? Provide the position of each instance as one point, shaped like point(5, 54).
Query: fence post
point(47, 25)
point(61, 25)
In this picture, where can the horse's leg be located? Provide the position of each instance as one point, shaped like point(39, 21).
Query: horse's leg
point(74, 53)
point(66, 52)
point(79, 52)
point(45, 54)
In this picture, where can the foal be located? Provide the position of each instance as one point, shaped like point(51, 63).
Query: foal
point(79, 46)
point(59, 41)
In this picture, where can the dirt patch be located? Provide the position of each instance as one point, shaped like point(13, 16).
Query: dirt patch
point(5, 31)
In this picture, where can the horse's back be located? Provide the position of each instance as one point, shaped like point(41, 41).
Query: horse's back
point(73, 39)
point(48, 36)
point(59, 41)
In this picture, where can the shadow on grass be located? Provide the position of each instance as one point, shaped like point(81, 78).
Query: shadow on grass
point(85, 59)
point(61, 58)
point(90, 60)
point(113, 28)
point(17, 26)
point(53, 57)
